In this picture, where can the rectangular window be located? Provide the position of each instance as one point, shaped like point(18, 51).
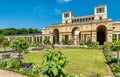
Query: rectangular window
point(66, 15)
point(100, 10)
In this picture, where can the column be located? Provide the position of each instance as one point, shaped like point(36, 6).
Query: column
point(60, 38)
point(75, 39)
point(35, 39)
point(70, 37)
point(29, 39)
point(43, 37)
point(32, 39)
point(117, 37)
point(94, 37)
point(51, 38)
point(109, 36)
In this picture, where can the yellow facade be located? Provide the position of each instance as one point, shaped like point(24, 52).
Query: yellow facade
point(97, 27)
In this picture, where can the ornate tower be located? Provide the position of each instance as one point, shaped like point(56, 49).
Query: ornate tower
point(100, 12)
point(67, 17)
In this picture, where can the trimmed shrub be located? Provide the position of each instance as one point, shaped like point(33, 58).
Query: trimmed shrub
point(63, 41)
point(89, 43)
point(81, 42)
point(69, 42)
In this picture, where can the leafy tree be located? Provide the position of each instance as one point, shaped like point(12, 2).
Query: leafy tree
point(3, 41)
point(46, 41)
point(115, 47)
point(11, 31)
point(54, 63)
point(20, 44)
point(2, 37)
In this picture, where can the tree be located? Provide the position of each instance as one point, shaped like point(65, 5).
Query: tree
point(54, 63)
point(13, 31)
point(115, 47)
point(20, 45)
point(3, 41)
point(46, 41)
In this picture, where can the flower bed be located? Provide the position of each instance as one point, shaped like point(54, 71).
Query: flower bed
point(14, 65)
point(111, 60)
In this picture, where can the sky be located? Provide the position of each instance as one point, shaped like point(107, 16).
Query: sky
point(42, 13)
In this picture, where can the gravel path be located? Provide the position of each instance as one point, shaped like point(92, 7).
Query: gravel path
point(5, 73)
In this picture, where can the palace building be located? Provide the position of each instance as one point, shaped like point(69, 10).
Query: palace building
point(98, 27)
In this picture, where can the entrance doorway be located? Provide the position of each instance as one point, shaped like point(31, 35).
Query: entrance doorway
point(101, 34)
point(56, 36)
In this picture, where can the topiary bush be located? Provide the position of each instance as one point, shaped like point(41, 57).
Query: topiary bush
point(89, 43)
point(54, 63)
point(63, 41)
point(69, 42)
point(81, 42)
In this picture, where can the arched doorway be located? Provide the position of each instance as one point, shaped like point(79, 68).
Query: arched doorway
point(76, 35)
point(101, 34)
point(56, 36)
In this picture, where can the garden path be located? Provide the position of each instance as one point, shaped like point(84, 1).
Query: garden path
point(5, 73)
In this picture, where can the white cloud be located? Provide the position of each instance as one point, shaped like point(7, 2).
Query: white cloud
point(57, 11)
point(66, 0)
point(63, 1)
point(42, 12)
point(45, 13)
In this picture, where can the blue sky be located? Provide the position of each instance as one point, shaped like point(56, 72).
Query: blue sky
point(42, 13)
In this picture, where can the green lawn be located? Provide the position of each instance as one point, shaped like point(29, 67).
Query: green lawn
point(82, 61)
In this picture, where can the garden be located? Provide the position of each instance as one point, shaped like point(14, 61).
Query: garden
point(111, 52)
point(61, 62)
